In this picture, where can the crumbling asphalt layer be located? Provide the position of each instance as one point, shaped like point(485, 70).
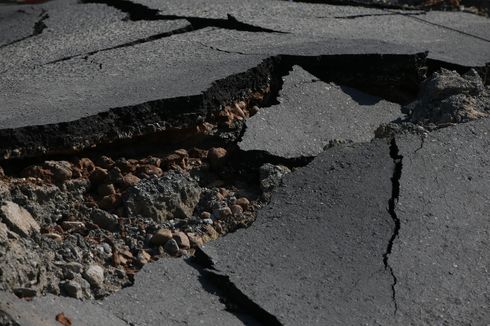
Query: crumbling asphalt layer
point(338, 243)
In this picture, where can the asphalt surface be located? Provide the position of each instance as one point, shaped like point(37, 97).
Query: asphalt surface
point(101, 67)
point(329, 248)
point(311, 114)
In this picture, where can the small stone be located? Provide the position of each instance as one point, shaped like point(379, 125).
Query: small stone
point(72, 225)
point(182, 240)
point(25, 292)
point(86, 165)
point(211, 232)
point(104, 219)
point(18, 219)
point(237, 210)
point(195, 240)
point(125, 166)
point(2, 172)
point(105, 162)
point(161, 237)
point(110, 201)
point(94, 274)
point(225, 212)
point(205, 215)
point(243, 202)
point(98, 176)
point(74, 267)
point(54, 236)
point(144, 171)
point(106, 189)
point(207, 221)
point(143, 257)
point(182, 152)
point(130, 180)
point(152, 161)
point(61, 170)
point(216, 157)
point(72, 289)
point(172, 247)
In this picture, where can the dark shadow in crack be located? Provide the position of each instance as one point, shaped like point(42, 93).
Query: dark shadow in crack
point(360, 97)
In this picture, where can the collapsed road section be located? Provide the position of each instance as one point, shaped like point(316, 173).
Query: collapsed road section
point(312, 183)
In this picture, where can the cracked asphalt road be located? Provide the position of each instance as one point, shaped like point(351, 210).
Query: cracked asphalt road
point(370, 232)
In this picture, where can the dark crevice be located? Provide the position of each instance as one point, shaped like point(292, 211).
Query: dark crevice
point(225, 51)
point(377, 15)
point(395, 194)
point(38, 28)
point(393, 77)
point(235, 301)
point(136, 12)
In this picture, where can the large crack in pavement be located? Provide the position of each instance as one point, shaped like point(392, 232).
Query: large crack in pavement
point(235, 300)
point(395, 194)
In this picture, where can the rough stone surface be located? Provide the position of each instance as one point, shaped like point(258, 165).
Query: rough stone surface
point(171, 196)
point(312, 113)
point(448, 97)
point(18, 219)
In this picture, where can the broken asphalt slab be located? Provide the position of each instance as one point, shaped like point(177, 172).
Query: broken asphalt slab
point(173, 291)
point(313, 113)
point(315, 254)
point(92, 71)
point(440, 255)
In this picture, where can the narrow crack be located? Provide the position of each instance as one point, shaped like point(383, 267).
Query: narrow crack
point(37, 29)
point(448, 28)
point(147, 39)
point(395, 194)
point(377, 15)
point(235, 301)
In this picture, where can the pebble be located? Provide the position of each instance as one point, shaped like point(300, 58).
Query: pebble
point(106, 189)
point(25, 292)
point(143, 257)
point(86, 164)
point(195, 240)
point(72, 289)
point(94, 274)
point(216, 156)
point(161, 237)
point(171, 247)
point(18, 219)
point(105, 162)
point(236, 210)
point(130, 180)
point(208, 221)
point(211, 232)
point(74, 267)
point(205, 215)
point(108, 202)
point(244, 202)
point(72, 225)
point(104, 219)
point(182, 240)
point(225, 212)
point(54, 236)
point(98, 176)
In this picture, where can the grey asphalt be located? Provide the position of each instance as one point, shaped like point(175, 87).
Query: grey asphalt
point(313, 113)
point(37, 92)
point(315, 253)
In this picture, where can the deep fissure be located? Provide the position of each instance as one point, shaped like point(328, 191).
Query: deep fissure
point(395, 194)
point(235, 301)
